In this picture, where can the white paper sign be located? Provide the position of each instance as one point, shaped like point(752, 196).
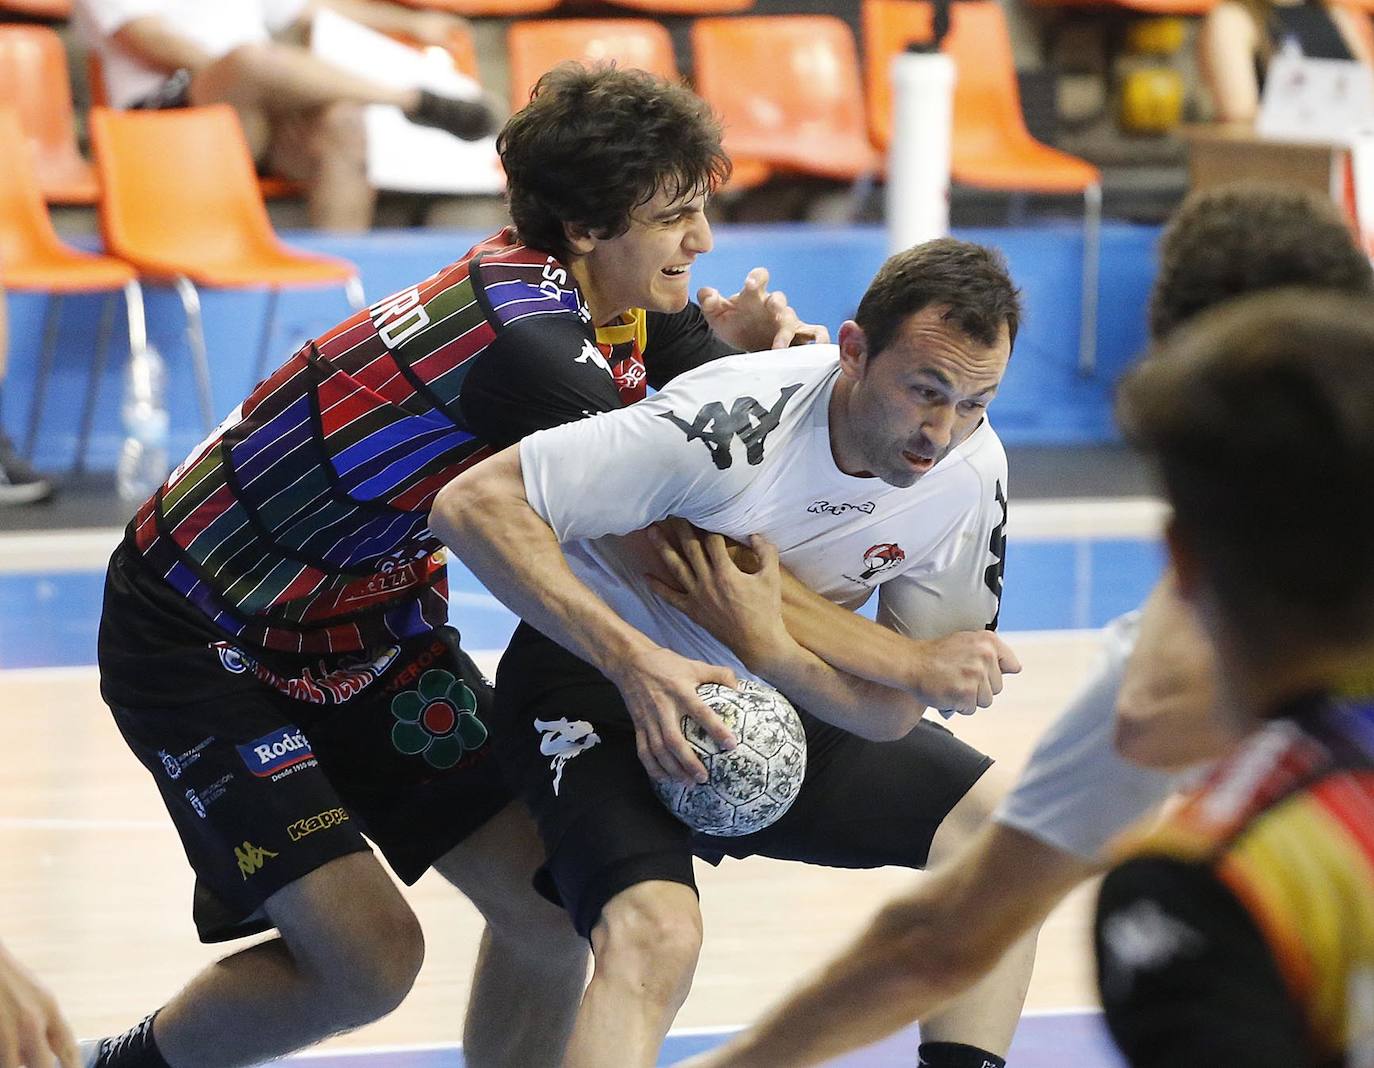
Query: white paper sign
point(402, 156)
point(1322, 101)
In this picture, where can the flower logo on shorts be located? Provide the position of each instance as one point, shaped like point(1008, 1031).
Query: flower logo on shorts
point(436, 720)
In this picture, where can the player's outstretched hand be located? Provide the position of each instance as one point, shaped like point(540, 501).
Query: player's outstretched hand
point(33, 1033)
point(755, 319)
point(660, 688)
point(963, 672)
point(736, 595)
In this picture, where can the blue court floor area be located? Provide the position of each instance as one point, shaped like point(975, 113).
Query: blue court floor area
point(1050, 1040)
point(49, 618)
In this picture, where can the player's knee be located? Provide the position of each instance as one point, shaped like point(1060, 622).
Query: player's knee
point(370, 965)
point(650, 935)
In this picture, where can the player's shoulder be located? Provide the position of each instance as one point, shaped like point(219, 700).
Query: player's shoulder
point(519, 284)
point(756, 371)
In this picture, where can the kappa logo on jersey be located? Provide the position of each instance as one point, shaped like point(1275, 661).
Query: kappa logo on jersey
point(321, 822)
point(275, 752)
point(593, 355)
point(251, 858)
point(563, 739)
point(826, 508)
point(879, 558)
point(747, 420)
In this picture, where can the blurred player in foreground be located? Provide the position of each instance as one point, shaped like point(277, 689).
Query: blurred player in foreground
point(1241, 932)
point(1078, 792)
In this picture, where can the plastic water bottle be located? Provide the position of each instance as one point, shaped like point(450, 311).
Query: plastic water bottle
point(143, 460)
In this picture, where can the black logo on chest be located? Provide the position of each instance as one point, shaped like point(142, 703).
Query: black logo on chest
point(746, 419)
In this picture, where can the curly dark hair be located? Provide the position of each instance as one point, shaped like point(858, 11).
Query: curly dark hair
point(1248, 236)
point(970, 280)
point(595, 142)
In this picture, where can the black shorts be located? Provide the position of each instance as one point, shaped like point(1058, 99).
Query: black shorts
point(271, 766)
point(565, 741)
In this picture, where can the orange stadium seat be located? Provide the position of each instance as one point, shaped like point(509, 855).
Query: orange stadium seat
point(992, 149)
point(181, 202)
point(491, 8)
point(34, 81)
point(56, 10)
point(535, 46)
point(34, 259)
point(789, 92)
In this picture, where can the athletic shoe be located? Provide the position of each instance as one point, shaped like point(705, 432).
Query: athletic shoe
point(470, 120)
point(19, 483)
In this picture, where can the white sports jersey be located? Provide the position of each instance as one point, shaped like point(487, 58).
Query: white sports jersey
point(742, 446)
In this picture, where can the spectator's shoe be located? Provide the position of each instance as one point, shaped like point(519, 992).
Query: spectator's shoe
point(470, 120)
point(19, 483)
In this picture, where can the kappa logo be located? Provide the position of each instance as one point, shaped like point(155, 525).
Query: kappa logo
point(593, 355)
point(747, 420)
point(321, 822)
point(826, 508)
point(878, 558)
point(563, 739)
point(251, 858)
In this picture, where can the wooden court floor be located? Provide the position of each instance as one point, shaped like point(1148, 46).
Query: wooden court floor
point(95, 893)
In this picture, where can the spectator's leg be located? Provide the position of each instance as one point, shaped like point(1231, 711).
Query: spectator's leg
point(327, 150)
point(19, 483)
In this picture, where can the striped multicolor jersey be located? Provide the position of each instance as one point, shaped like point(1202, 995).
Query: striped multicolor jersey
point(1275, 853)
point(301, 523)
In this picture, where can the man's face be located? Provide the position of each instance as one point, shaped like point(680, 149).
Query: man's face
point(649, 265)
point(915, 401)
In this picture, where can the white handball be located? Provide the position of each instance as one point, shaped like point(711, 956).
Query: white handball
point(753, 784)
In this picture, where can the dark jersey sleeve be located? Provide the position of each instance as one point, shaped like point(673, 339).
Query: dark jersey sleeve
point(679, 341)
point(536, 374)
point(1187, 980)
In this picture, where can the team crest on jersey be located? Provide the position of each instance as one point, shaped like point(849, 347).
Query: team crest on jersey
point(716, 427)
point(878, 558)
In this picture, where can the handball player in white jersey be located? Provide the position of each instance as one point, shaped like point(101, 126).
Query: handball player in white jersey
point(866, 466)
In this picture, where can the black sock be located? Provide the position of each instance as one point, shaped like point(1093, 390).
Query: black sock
point(956, 1055)
point(135, 1048)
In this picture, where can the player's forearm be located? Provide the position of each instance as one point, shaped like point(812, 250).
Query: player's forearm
point(863, 707)
point(847, 640)
point(484, 518)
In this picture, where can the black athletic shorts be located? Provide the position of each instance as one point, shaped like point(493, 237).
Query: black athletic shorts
point(271, 766)
point(566, 743)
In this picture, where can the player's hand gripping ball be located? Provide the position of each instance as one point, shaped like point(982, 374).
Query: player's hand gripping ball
point(753, 784)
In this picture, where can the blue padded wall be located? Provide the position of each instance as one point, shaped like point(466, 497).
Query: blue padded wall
point(823, 271)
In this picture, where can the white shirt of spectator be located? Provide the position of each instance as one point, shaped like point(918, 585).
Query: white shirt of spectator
point(742, 446)
point(219, 26)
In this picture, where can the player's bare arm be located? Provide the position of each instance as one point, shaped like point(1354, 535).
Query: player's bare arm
point(1166, 715)
point(962, 671)
point(484, 517)
point(755, 319)
point(743, 608)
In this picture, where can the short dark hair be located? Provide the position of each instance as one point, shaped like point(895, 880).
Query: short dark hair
point(969, 280)
point(1249, 236)
point(595, 142)
point(1260, 416)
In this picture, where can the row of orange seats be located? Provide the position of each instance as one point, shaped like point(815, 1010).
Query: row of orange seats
point(789, 88)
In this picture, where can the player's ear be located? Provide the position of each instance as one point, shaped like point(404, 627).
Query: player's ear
point(853, 349)
point(579, 238)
